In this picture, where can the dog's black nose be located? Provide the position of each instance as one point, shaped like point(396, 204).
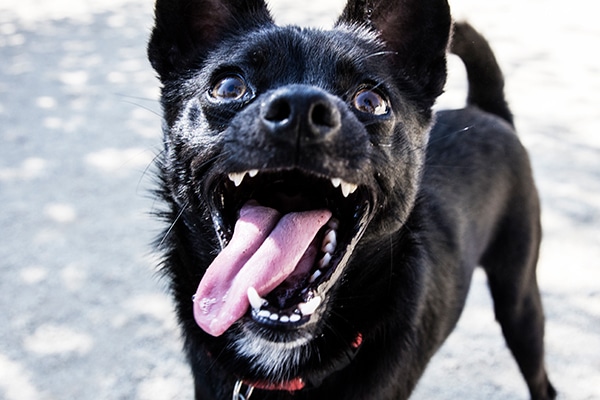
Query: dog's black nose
point(301, 113)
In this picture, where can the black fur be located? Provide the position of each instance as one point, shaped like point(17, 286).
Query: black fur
point(439, 201)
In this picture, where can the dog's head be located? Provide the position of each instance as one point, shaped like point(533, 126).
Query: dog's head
point(290, 157)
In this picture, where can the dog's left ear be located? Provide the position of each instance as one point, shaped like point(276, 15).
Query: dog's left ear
point(416, 31)
point(185, 30)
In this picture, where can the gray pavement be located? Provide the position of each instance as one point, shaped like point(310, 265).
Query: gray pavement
point(84, 314)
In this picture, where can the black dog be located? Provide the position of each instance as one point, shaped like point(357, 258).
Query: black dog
point(326, 234)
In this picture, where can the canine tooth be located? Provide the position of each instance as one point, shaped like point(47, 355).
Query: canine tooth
point(284, 318)
point(310, 306)
point(348, 188)
point(295, 318)
point(253, 173)
point(315, 276)
point(336, 182)
point(324, 262)
point(237, 177)
point(256, 302)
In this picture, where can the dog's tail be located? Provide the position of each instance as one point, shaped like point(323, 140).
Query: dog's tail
point(486, 83)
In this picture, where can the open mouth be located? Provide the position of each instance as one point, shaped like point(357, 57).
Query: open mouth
point(286, 236)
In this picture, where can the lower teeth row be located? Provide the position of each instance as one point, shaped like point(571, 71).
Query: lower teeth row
point(264, 314)
point(303, 310)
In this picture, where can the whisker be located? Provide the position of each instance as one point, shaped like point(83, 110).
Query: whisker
point(146, 170)
point(440, 138)
point(172, 226)
point(379, 53)
point(129, 100)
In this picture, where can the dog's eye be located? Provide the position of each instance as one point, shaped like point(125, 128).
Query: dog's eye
point(370, 102)
point(231, 87)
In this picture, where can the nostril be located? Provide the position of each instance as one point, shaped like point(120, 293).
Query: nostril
point(278, 110)
point(322, 115)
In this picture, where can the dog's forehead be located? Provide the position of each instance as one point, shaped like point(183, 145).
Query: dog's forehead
point(300, 53)
point(343, 39)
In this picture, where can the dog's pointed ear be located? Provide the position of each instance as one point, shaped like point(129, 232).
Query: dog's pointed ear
point(415, 31)
point(185, 30)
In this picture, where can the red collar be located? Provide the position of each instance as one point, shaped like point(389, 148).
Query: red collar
point(289, 386)
point(243, 390)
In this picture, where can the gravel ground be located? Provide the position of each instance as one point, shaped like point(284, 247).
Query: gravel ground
point(84, 314)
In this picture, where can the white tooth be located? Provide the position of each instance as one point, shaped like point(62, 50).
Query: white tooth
point(256, 302)
point(315, 276)
point(284, 318)
point(253, 173)
point(329, 248)
point(263, 314)
point(325, 261)
point(336, 182)
point(331, 236)
point(295, 318)
point(237, 177)
point(329, 242)
point(348, 188)
point(274, 317)
point(310, 307)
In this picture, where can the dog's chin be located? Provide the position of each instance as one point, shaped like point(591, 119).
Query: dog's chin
point(273, 356)
point(293, 359)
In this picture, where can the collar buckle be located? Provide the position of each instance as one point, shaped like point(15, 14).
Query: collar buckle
point(242, 391)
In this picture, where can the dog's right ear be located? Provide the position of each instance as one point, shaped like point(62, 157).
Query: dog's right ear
point(185, 30)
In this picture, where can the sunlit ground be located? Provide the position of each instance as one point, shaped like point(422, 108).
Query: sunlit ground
point(84, 314)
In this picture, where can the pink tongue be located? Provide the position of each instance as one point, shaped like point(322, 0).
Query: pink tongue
point(266, 248)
